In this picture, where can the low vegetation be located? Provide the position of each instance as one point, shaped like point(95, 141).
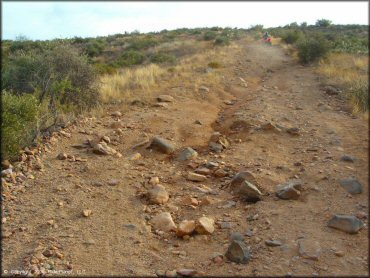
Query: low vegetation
point(342, 52)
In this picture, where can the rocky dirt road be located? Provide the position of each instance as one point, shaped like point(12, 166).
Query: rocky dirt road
point(92, 209)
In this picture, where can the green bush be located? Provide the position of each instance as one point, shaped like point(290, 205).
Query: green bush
point(19, 122)
point(94, 48)
point(131, 57)
point(221, 40)
point(291, 37)
point(312, 48)
point(161, 57)
point(208, 36)
point(102, 68)
point(144, 43)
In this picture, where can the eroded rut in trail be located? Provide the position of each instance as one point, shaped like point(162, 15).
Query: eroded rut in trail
point(280, 126)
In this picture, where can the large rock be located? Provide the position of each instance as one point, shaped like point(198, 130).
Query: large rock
point(351, 185)
point(195, 177)
point(290, 190)
point(164, 222)
point(215, 147)
point(309, 249)
point(249, 192)
point(238, 252)
point(205, 226)
point(161, 145)
point(240, 177)
point(346, 223)
point(158, 195)
point(165, 98)
point(186, 227)
point(186, 154)
point(103, 149)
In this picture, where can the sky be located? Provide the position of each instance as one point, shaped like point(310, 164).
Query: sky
point(49, 20)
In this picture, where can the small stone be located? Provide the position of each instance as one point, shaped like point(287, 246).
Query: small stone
point(202, 171)
point(62, 156)
point(129, 226)
point(86, 212)
point(211, 165)
point(236, 236)
point(339, 253)
point(186, 227)
point(289, 190)
point(50, 222)
point(220, 173)
point(186, 272)
point(238, 252)
point(273, 243)
point(205, 226)
point(188, 200)
point(187, 154)
point(113, 182)
point(346, 223)
point(48, 253)
point(106, 139)
point(165, 98)
point(164, 222)
point(309, 249)
point(249, 192)
point(116, 114)
point(97, 183)
point(195, 177)
point(203, 89)
point(351, 185)
point(154, 180)
point(59, 255)
point(5, 164)
point(162, 145)
point(135, 156)
point(249, 233)
point(293, 131)
point(160, 273)
point(158, 195)
point(170, 273)
point(347, 158)
point(205, 201)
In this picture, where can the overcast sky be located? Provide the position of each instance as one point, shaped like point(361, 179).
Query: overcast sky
point(48, 20)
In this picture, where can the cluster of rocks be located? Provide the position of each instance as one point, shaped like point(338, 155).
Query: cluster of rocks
point(218, 142)
point(164, 222)
point(45, 258)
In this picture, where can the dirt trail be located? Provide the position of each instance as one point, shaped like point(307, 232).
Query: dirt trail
point(116, 238)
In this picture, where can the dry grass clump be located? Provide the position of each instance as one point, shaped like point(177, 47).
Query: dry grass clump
point(350, 72)
point(123, 84)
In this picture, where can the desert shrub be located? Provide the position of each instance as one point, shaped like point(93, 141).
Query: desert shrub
point(131, 57)
point(358, 94)
point(214, 65)
point(94, 48)
point(222, 40)
point(161, 57)
point(18, 73)
point(208, 36)
point(312, 48)
point(103, 68)
point(144, 43)
point(19, 121)
point(291, 37)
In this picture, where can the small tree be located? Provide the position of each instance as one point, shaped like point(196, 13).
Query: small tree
point(323, 23)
